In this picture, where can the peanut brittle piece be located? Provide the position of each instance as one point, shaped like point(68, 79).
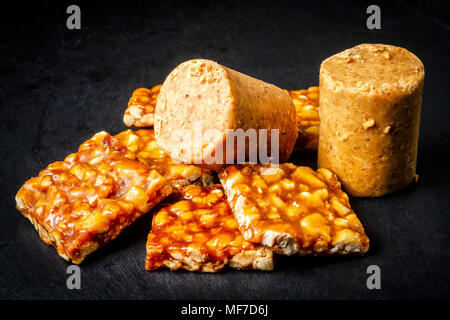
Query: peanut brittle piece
point(141, 107)
point(306, 102)
point(85, 201)
point(197, 231)
point(142, 143)
point(293, 209)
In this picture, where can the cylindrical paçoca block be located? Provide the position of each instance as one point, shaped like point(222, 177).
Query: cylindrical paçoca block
point(370, 101)
point(210, 115)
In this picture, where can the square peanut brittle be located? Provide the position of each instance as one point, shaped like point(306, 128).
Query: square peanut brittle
point(306, 102)
point(197, 231)
point(141, 107)
point(85, 201)
point(142, 143)
point(293, 209)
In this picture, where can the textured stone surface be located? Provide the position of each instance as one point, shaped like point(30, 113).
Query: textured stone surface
point(59, 87)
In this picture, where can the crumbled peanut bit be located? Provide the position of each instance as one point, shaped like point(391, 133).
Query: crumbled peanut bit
point(196, 230)
point(344, 137)
point(85, 201)
point(142, 142)
point(387, 129)
point(364, 86)
point(369, 123)
point(196, 69)
point(293, 209)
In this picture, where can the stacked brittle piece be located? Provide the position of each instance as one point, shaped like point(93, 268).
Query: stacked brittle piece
point(203, 220)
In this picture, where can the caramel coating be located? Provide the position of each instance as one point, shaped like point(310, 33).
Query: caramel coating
point(306, 102)
point(85, 201)
point(142, 143)
point(141, 107)
point(293, 209)
point(196, 230)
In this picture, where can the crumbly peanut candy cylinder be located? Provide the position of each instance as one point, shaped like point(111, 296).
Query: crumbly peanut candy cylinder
point(85, 201)
point(141, 107)
point(293, 209)
point(202, 104)
point(140, 113)
point(197, 231)
point(370, 103)
point(142, 143)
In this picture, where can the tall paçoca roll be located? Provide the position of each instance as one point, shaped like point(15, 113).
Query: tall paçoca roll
point(203, 104)
point(370, 102)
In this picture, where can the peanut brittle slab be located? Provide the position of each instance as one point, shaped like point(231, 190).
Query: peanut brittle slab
point(85, 201)
point(197, 231)
point(306, 102)
point(141, 107)
point(293, 209)
point(142, 143)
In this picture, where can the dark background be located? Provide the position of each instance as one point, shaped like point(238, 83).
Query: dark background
point(58, 87)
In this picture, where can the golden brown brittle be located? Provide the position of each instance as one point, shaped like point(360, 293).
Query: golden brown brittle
point(141, 107)
point(293, 209)
point(142, 143)
point(85, 201)
point(197, 231)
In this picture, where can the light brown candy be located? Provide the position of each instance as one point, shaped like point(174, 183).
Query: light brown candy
point(293, 209)
point(141, 107)
point(370, 102)
point(85, 201)
point(203, 105)
point(196, 230)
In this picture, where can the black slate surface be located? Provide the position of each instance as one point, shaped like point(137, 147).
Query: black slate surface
point(59, 87)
